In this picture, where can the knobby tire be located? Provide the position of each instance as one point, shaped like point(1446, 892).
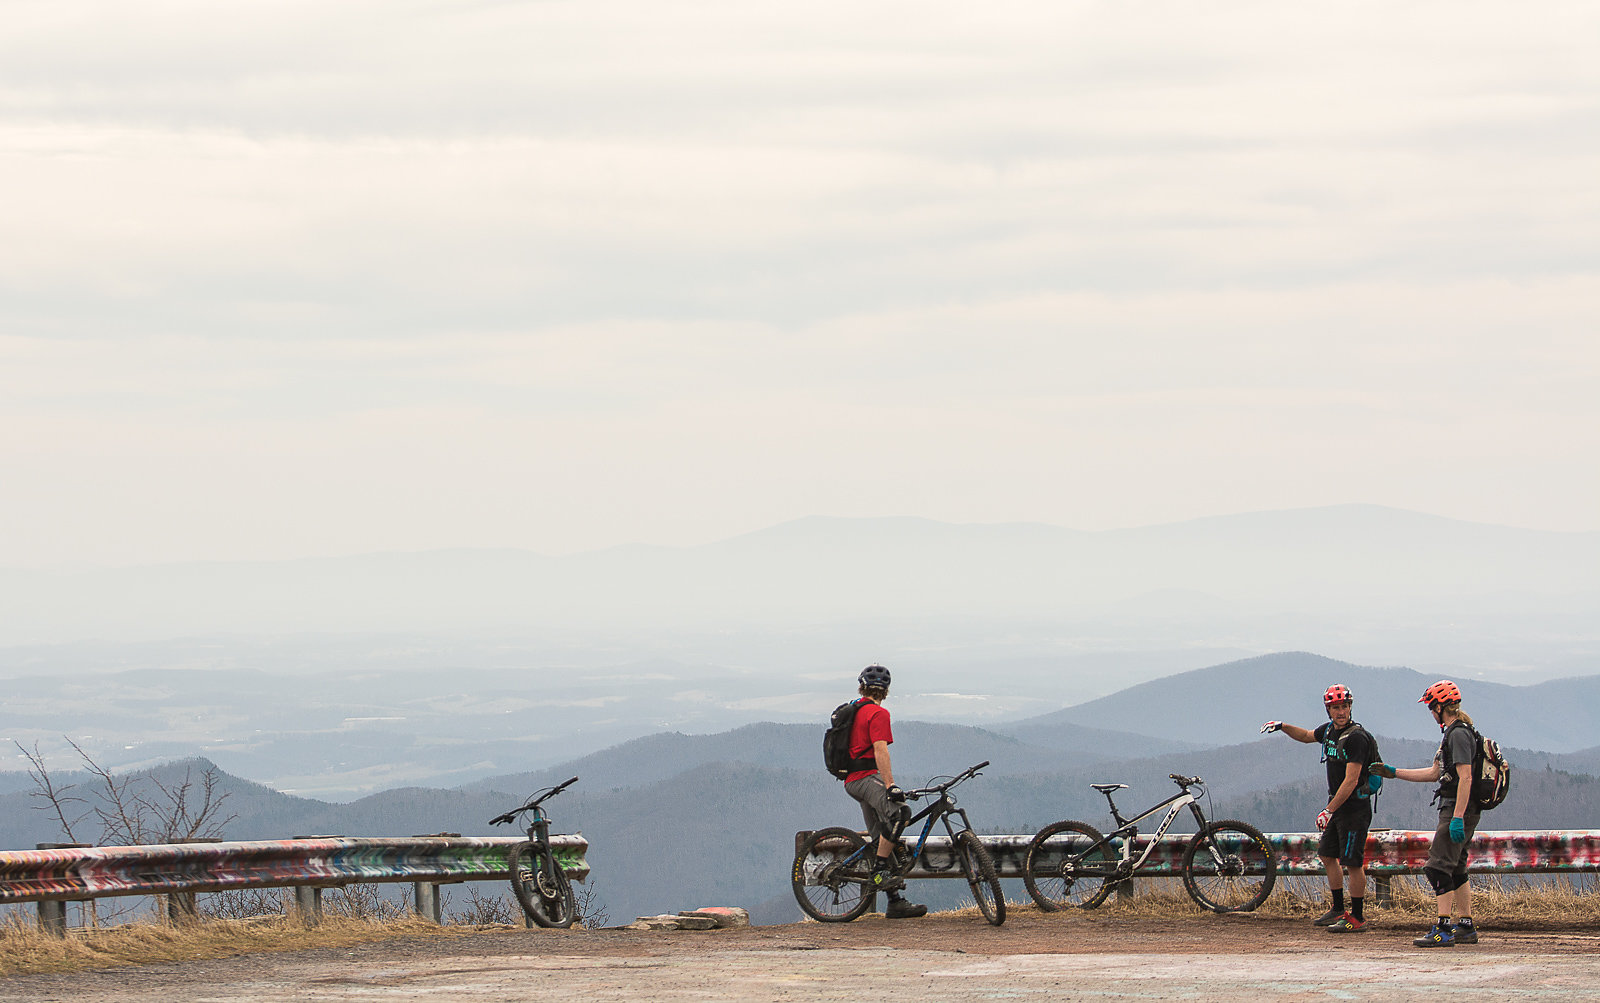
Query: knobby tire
point(1244, 879)
point(1068, 867)
point(982, 878)
point(827, 893)
point(546, 899)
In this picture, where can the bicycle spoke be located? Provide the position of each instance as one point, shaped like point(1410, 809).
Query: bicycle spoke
point(1229, 867)
point(1065, 869)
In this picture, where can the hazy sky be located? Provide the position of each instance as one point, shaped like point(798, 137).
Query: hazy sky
point(286, 278)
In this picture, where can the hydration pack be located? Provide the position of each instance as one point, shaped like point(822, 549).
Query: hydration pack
point(1491, 774)
point(836, 742)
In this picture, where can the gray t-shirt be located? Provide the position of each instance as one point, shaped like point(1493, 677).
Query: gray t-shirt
point(1455, 748)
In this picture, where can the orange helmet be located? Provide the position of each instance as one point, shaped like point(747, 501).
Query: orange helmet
point(1336, 694)
point(1441, 692)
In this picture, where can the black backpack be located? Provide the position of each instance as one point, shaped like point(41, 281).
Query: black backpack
point(836, 742)
point(1491, 774)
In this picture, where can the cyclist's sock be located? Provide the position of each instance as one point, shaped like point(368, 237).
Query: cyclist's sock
point(1358, 907)
point(1338, 899)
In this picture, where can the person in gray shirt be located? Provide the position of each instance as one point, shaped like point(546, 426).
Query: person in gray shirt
point(1446, 869)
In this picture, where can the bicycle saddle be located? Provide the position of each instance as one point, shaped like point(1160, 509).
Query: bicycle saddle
point(1108, 788)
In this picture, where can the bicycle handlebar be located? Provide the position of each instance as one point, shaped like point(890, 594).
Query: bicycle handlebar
point(1185, 782)
point(964, 775)
point(544, 795)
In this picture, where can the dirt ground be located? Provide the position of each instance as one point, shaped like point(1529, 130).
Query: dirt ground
point(1034, 955)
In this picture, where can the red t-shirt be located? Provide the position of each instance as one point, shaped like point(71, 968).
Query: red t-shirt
point(872, 725)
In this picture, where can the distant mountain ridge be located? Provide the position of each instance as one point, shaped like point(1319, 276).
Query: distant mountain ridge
point(1231, 701)
point(925, 747)
point(1353, 555)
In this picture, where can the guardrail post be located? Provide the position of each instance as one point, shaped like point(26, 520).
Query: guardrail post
point(1382, 890)
point(308, 903)
point(53, 917)
point(427, 899)
point(181, 908)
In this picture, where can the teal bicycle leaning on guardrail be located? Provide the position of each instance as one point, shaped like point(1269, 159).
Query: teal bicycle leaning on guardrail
point(541, 886)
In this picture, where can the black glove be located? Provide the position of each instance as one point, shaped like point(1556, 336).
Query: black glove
point(896, 795)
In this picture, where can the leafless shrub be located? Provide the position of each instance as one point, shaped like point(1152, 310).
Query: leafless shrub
point(485, 909)
point(242, 903)
point(592, 913)
point(365, 902)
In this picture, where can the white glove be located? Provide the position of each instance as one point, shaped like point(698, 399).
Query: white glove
point(1323, 818)
point(1271, 726)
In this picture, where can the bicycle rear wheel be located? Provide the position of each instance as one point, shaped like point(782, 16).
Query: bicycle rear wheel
point(1229, 867)
point(547, 899)
point(982, 878)
point(829, 890)
point(1069, 865)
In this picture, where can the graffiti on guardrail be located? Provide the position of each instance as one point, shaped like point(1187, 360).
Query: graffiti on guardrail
point(1396, 851)
point(104, 871)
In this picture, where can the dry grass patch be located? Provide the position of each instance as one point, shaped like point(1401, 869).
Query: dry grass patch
point(25, 949)
point(1549, 901)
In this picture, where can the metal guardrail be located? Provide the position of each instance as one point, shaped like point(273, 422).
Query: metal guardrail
point(52, 877)
point(1389, 852)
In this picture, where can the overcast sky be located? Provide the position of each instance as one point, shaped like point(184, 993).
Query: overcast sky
point(282, 279)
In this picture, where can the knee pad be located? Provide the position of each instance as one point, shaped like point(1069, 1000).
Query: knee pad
point(1440, 881)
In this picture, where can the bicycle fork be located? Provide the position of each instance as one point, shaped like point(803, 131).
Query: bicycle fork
point(539, 834)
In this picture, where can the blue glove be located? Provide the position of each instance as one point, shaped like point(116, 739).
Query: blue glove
point(1458, 831)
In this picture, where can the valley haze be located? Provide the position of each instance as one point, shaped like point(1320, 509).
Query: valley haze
point(341, 677)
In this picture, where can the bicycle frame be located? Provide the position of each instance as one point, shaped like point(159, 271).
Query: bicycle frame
point(539, 834)
point(939, 810)
point(1128, 832)
point(538, 825)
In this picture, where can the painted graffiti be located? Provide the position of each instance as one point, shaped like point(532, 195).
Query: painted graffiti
point(1392, 851)
point(95, 872)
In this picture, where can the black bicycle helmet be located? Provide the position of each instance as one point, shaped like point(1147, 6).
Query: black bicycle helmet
point(874, 677)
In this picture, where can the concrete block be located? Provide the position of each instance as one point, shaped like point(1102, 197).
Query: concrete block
point(726, 916)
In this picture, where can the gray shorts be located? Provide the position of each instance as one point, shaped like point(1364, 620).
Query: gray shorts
point(1447, 857)
point(881, 814)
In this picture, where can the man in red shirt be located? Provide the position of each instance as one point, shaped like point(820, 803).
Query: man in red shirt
point(882, 804)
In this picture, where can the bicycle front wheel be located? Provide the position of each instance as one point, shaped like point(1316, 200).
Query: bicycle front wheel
point(1069, 865)
point(982, 878)
point(546, 898)
point(1229, 867)
point(827, 888)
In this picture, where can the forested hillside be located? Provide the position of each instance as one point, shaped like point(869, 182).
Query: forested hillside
point(676, 821)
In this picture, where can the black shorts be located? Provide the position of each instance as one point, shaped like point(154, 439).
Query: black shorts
point(1346, 835)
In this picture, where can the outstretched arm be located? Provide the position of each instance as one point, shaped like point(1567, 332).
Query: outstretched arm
point(1294, 731)
point(1417, 775)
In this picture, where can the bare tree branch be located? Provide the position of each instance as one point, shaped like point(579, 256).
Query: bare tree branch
point(45, 789)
